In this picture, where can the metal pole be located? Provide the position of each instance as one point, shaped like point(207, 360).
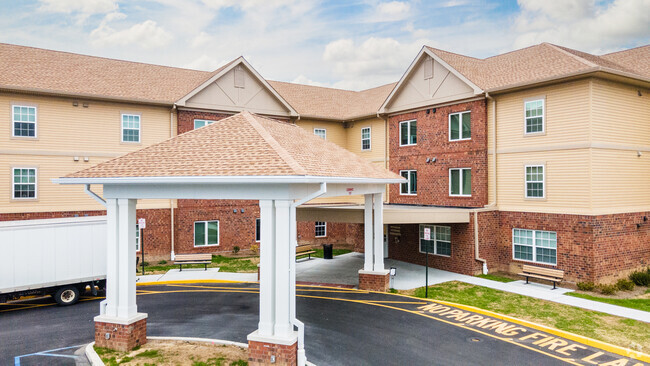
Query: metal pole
point(426, 287)
point(142, 249)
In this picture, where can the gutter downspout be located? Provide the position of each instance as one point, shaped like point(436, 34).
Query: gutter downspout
point(302, 358)
point(94, 195)
point(172, 255)
point(492, 204)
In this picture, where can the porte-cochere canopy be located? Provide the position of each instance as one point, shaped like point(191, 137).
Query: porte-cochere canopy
point(244, 156)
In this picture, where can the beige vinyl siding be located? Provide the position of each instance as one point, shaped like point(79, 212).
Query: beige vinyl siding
point(96, 129)
point(377, 139)
point(53, 197)
point(566, 181)
point(620, 115)
point(335, 131)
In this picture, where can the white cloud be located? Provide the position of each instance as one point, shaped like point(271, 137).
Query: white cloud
point(302, 79)
point(373, 62)
point(78, 6)
point(584, 24)
point(391, 11)
point(205, 63)
point(201, 40)
point(146, 34)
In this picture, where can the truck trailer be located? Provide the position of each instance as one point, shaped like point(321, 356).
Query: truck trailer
point(58, 257)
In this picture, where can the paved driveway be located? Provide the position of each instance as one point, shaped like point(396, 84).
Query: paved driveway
point(343, 327)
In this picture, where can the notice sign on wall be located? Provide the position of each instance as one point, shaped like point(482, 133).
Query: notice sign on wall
point(427, 233)
point(142, 223)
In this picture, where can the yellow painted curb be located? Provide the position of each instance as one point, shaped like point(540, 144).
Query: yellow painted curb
point(188, 282)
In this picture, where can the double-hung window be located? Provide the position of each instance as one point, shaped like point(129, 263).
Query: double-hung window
point(130, 128)
point(206, 233)
point(460, 182)
point(408, 133)
point(410, 187)
point(320, 229)
point(24, 183)
point(460, 126)
point(439, 241)
point(535, 246)
point(534, 116)
point(24, 121)
point(321, 132)
point(365, 138)
point(535, 181)
point(198, 123)
point(258, 230)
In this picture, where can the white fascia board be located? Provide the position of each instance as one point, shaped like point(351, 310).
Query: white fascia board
point(477, 89)
point(228, 180)
point(407, 73)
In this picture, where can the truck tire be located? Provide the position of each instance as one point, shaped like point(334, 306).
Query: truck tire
point(66, 295)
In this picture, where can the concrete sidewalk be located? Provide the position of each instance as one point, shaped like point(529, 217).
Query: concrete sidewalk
point(343, 269)
point(198, 274)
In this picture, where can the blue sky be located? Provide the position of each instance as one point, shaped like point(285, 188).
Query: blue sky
point(352, 44)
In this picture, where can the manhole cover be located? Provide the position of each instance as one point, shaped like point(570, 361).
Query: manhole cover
point(474, 339)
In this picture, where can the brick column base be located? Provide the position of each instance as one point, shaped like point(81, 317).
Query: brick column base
point(374, 281)
point(123, 336)
point(261, 352)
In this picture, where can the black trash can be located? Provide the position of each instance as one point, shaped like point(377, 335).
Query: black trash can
point(327, 251)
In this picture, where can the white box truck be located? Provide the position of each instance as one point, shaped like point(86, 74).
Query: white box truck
point(57, 257)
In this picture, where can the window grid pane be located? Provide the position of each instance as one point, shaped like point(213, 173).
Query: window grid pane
point(467, 182)
point(24, 120)
point(199, 233)
point(320, 228)
point(365, 138)
point(535, 246)
point(534, 116)
point(467, 125)
point(24, 183)
point(213, 233)
point(534, 181)
point(413, 182)
point(413, 132)
point(455, 181)
point(404, 133)
point(454, 127)
point(440, 242)
point(130, 128)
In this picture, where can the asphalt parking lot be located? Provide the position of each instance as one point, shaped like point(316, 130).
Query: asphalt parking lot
point(343, 327)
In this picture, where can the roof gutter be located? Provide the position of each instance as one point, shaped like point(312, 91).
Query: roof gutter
point(228, 180)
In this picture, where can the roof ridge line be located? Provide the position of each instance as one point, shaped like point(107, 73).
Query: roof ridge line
point(578, 58)
point(281, 151)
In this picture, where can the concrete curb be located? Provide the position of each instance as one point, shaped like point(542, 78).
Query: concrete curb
point(95, 360)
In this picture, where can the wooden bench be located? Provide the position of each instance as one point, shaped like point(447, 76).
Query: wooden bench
point(204, 259)
point(554, 275)
point(304, 249)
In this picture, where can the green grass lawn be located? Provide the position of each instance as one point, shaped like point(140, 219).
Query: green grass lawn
point(495, 278)
point(225, 264)
point(608, 328)
point(639, 304)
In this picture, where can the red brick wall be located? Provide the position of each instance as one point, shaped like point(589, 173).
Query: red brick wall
point(47, 215)
point(259, 354)
point(342, 235)
point(374, 282)
point(157, 235)
point(186, 119)
point(433, 141)
point(123, 337)
point(406, 248)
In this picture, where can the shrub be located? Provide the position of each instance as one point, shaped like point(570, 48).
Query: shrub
point(586, 286)
point(625, 285)
point(235, 249)
point(254, 249)
point(607, 289)
point(641, 278)
point(162, 262)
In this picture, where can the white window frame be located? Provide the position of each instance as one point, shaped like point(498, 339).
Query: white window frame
point(122, 128)
point(409, 133)
point(369, 139)
point(324, 226)
point(408, 183)
point(258, 233)
point(13, 127)
point(543, 181)
point(531, 100)
point(137, 237)
point(461, 182)
point(207, 122)
point(13, 184)
point(460, 126)
point(534, 246)
point(205, 222)
point(317, 132)
point(433, 235)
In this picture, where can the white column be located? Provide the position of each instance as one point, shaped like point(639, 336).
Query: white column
point(378, 242)
point(283, 327)
point(368, 233)
point(126, 304)
point(112, 273)
point(267, 268)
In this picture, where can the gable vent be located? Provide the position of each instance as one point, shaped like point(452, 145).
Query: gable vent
point(428, 68)
point(239, 77)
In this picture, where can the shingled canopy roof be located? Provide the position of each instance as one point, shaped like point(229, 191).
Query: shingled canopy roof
point(243, 145)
